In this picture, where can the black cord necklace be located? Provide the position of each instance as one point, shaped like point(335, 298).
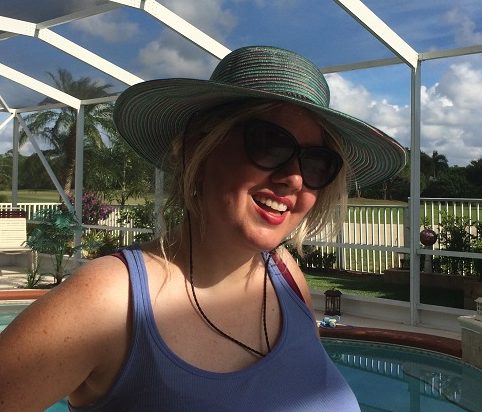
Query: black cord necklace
point(210, 323)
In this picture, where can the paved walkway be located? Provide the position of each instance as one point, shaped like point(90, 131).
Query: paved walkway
point(15, 277)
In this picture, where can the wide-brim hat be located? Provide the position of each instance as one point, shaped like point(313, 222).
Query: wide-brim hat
point(151, 114)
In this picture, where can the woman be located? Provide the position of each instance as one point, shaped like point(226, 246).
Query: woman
point(217, 315)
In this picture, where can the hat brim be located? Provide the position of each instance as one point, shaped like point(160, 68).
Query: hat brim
point(151, 114)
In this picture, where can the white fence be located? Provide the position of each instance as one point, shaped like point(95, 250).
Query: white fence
point(127, 232)
point(371, 240)
point(374, 236)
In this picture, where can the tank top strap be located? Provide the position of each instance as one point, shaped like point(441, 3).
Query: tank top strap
point(139, 285)
point(286, 288)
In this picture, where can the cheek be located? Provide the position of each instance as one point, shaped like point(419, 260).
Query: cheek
point(305, 202)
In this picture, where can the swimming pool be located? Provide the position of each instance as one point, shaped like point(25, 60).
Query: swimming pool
point(388, 377)
point(384, 377)
point(8, 311)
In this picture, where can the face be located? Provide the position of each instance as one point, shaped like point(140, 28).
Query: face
point(243, 204)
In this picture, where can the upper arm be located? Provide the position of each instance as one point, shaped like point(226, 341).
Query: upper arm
point(57, 342)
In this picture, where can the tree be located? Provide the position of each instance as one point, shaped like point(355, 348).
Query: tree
point(58, 127)
point(450, 183)
point(5, 171)
point(439, 163)
point(53, 234)
point(474, 175)
point(117, 171)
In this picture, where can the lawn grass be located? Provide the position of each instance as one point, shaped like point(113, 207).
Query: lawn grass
point(27, 196)
point(375, 287)
point(45, 196)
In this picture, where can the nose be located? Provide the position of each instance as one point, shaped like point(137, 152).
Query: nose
point(289, 175)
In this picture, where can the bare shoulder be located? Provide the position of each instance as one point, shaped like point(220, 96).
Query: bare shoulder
point(75, 324)
point(297, 274)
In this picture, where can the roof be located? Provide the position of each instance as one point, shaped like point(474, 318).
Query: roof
point(123, 42)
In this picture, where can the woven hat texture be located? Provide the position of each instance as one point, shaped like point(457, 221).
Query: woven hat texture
point(149, 115)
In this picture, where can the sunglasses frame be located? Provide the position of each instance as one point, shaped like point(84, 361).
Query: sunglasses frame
point(298, 151)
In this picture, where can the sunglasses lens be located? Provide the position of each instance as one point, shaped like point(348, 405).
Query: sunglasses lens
point(319, 167)
point(268, 146)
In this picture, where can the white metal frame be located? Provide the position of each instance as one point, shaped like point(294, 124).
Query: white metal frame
point(369, 20)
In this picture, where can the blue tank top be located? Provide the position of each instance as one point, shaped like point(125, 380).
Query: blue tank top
point(297, 375)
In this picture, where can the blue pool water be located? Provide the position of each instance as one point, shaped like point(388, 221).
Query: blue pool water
point(385, 377)
point(396, 378)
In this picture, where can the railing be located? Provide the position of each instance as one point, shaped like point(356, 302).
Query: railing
point(372, 236)
point(127, 232)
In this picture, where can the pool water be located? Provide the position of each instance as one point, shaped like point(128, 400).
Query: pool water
point(8, 313)
point(396, 378)
point(384, 377)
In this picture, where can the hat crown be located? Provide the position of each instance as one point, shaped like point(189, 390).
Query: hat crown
point(274, 70)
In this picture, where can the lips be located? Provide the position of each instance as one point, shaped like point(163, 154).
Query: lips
point(270, 209)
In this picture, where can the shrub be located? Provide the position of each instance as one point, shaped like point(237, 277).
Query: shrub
point(142, 217)
point(93, 208)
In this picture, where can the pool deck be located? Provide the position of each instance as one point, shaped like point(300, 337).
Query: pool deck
point(352, 327)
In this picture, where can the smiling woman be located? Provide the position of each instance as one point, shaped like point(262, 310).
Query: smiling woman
point(215, 315)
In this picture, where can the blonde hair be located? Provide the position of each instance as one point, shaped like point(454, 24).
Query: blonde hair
point(206, 131)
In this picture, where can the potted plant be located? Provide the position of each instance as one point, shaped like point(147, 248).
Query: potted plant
point(53, 235)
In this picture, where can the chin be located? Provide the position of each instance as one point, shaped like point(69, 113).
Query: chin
point(264, 243)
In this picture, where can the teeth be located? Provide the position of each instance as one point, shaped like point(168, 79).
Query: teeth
point(273, 204)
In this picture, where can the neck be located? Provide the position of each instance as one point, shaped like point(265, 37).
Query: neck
point(213, 261)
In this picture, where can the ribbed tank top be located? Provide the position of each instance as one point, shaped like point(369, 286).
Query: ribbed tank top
point(297, 375)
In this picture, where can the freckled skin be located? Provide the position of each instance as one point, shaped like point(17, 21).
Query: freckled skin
point(85, 323)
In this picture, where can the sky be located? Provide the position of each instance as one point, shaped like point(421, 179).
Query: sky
point(451, 93)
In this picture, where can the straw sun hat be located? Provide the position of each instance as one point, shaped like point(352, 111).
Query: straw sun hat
point(151, 114)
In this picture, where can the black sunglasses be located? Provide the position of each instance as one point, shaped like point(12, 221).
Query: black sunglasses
point(270, 147)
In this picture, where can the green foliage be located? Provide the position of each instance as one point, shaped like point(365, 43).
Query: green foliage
point(117, 171)
point(449, 183)
point(473, 173)
point(93, 208)
point(53, 234)
point(5, 171)
point(328, 260)
point(477, 247)
point(141, 216)
point(173, 217)
point(313, 257)
point(32, 173)
point(454, 235)
point(58, 127)
point(33, 274)
point(97, 243)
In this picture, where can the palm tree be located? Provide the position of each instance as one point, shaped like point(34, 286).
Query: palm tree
point(58, 127)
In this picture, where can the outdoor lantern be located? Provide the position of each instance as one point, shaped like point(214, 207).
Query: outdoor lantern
point(404, 260)
point(332, 302)
point(478, 302)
